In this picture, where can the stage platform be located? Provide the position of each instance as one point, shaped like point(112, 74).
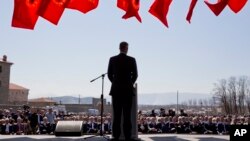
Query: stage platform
point(150, 137)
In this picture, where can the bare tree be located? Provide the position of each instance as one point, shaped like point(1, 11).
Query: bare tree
point(220, 91)
point(232, 95)
point(242, 88)
point(248, 98)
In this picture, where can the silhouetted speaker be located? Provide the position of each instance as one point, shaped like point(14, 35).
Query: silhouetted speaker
point(69, 128)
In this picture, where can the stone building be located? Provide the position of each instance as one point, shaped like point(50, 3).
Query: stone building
point(17, 94)
point(41, 102)
point(4, 79)
point(10, 93)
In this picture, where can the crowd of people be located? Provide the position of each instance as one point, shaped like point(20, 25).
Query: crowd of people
point(43, 121)
point(189, 124)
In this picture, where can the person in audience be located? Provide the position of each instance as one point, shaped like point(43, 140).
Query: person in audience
point(227, 125)
point(142, 125)
point(33, 118)
point(152, 128)
point(180, 127)
point(1, 114)
point(50, 116)
point(92, 125)
point(172, 124)
point(196, 127)
point(45, 127)
point(163, 112)
point(53, 125)
point(166, 127)
point(7, 127)
point(18, 127)
point(210, 126)
point(153, 114)
point(220, 125)
point(108, 125)
point(160, 126)
point(182, 113)
point(85, 124)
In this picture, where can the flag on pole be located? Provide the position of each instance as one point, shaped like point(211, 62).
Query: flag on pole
point(190, 11)
point(160, 9)
point(25, 13)
point(218, 7)
point(52, 10)
point(83, 6)
point(131, 7)
point(236, 5)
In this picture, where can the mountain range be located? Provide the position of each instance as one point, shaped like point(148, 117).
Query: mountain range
point(143, 99)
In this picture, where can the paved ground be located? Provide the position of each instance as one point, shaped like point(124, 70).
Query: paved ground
point(151, 137)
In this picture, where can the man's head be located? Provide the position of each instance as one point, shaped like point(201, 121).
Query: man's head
point(124, 47)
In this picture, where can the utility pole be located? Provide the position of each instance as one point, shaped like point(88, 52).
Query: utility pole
point(79, 100)
point(177, 106)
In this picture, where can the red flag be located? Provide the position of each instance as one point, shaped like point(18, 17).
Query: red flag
point(218, 7)
point(131, 7)
point(83, 6)
point(191, 9)
point(236, 5)
point(52, 10)
point(25, 13)
point(159, 9)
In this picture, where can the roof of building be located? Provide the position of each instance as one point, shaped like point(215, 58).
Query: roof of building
point(42, 99)
point(5, 62)
point(13, 86)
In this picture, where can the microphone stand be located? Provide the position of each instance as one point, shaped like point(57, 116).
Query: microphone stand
point(101, 132)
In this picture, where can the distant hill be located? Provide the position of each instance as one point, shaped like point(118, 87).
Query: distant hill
point(143, 99)
point(170, 98)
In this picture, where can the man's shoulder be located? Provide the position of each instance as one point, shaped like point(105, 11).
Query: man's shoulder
point(130, 57)
point(126, 56)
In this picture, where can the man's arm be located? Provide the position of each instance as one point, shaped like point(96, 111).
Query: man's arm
point(134, 71)
point(110, 70)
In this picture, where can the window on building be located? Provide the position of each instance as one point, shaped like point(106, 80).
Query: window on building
point(1, 69)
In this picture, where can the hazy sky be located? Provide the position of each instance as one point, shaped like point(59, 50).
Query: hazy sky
point(61, 60)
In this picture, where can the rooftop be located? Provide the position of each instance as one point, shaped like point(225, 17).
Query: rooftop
point(42, 99)
point(13, 86)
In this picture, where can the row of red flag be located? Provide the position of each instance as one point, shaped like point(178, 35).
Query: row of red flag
point(26, 12)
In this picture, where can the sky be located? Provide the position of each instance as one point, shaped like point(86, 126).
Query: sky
point(61, 60)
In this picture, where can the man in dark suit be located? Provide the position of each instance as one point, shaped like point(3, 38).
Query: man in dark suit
point(122, 72)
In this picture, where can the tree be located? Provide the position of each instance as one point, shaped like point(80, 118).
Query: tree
point(220, 91)
point(233, 94)
point(242, 88)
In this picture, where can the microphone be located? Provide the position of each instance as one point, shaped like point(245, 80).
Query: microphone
point(98, 77)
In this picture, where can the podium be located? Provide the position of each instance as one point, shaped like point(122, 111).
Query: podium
point(134, 116)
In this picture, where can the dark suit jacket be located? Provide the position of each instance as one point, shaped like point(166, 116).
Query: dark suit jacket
point(4, 128)
point(122, 72)
point(18, 127)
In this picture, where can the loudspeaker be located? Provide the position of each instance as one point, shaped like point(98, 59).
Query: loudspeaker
point(69, 128)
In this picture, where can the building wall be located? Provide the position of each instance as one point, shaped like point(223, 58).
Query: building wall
point(18, 96)
point(4, 80)
point(40, 104)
